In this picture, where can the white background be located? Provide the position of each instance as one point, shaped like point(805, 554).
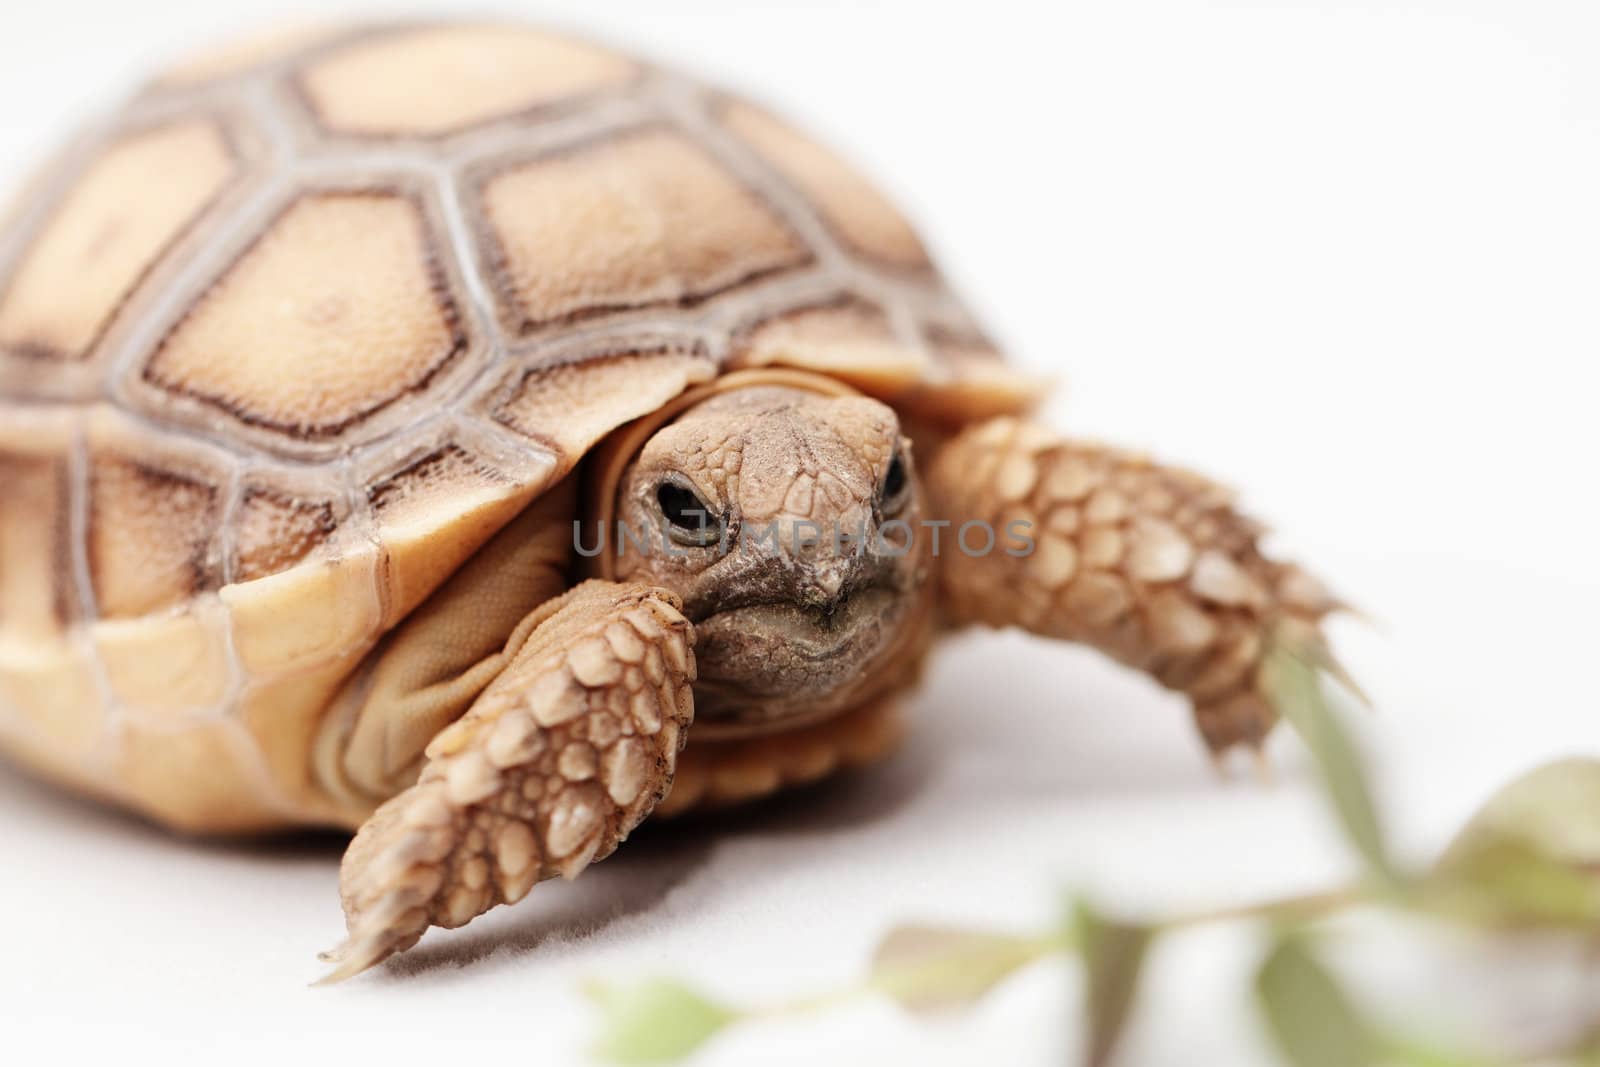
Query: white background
point(1345, 255)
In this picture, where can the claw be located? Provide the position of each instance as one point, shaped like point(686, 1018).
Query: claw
point(373, 939)
point(362, 951)
point(1312, 646)
point(348, 969)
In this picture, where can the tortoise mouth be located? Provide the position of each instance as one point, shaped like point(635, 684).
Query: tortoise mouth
point(822, 632)
point(783, 662)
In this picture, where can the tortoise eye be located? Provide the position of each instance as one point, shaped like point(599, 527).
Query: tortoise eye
point(693, 521)
point(896, 485)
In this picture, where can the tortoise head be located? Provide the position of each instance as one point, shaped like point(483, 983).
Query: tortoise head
point(787, 521)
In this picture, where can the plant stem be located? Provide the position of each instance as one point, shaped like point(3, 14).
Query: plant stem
point(1304, 908)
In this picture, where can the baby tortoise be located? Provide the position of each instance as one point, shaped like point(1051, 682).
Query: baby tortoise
point(319, 359)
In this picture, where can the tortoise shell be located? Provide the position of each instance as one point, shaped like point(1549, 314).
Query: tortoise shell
point(287, 339)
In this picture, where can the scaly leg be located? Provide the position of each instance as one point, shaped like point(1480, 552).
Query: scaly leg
point(561, 756)
point(1147, 563)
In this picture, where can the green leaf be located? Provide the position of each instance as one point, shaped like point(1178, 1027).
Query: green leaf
point(1113, 957)
point(1587, 1053)
point(1503, 880)
point(660, 1021)
point(1293, 673)
point(1531, 855)
point(1403, 1052)
point(1554, 809)
point(1311, 1020)
point(931, 969)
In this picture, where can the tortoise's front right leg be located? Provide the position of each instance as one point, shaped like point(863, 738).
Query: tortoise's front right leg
point(1148, 563)
point(558, 759)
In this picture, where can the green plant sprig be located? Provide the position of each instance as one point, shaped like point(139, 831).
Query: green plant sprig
point(1529, 860)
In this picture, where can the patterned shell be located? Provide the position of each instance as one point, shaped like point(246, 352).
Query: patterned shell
point(287, 339)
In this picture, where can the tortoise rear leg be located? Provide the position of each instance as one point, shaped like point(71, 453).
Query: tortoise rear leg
point(565, 752)
point(1148, 563)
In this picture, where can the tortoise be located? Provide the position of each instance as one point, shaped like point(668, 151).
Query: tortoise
point(426, 429)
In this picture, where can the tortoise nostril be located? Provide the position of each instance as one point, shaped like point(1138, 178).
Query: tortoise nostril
point(824, 607)
point(827, 589)
point(830, 583)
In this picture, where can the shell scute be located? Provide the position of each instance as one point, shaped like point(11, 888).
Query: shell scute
point(388, 85)
point(276, 527)
point(37, 597)
point(307, 615)
point(854, 208)
point(191, 778)
point(239, 55)
point(847, 337)
point(170, 668)
point(642, 219)
point(434, 511)
point(337, 311)
point(153, 512)
point(95, 249)
point(50, 707)
point(568, 406)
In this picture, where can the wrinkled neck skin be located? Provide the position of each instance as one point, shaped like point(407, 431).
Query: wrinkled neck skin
point(806, 576)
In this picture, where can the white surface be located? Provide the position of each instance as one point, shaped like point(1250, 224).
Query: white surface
point(1345, 256)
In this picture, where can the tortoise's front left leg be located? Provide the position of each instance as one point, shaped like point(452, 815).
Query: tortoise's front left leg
point(1148, 563)
point(559, 758)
